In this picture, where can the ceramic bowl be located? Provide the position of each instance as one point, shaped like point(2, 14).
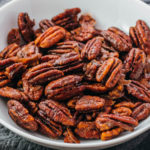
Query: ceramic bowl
point(120, 13)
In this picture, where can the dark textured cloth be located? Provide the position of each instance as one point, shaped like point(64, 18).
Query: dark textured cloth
point(11, 141)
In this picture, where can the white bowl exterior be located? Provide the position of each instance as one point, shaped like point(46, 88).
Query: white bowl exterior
point(120, 13)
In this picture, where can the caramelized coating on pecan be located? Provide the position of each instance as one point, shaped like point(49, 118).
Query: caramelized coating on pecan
point(70, 137)
point(50, 37)
point(12, 93)
point(118, 39)
point(141, 112)
point(67, 19)
point(50, 58)
point(21, 115)
point(64, 88)
point(138, 91)
point(89, 103)
point(123, 111)
point(56, 112)
point(26, 26)
point(135, 62)
point(3, 79)
point(107, 135)
point(140, 35)
point(87, 130)
point(14, 37)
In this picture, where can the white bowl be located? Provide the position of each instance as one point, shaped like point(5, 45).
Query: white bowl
point(120, 13)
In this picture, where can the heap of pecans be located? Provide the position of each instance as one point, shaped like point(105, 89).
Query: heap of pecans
point(69, 79)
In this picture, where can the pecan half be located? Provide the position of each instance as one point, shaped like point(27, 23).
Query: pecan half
point(50, 37)
point(12, 93)
point(64, 88)
point(123, 111)
point(89, 103)
point(21, 115)
point(70, 137)
point(87, 130)
point(140, 35)
point(14, 37)
point(67, 19)
point(48, 108)
point(92, 48)
point(138, 91)
point(26, 27)
point(135, 62)
point(3, 79)
point(109, 72)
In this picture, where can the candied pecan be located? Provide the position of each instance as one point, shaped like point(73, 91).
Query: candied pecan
point(14, 37)
point(21, 115)
point(66, 47)
point(89, 103)
point(26, 26)
point(67, 19)
point(107, 135)
point(140, 35)
point(12, 93)
point(92, 48)
point(42, 73)
point(87, 130)
point(141, 112)
point(34, 92)
point(50, 58)
point(123, 111)
point(45, 24)
point(49, 128)
point(29, 54)
point(4, 63)
point(118, 39)
point(3, 79)
point(64, 88)
point(125, 104)
point(15, 70)
point(70, 137)
point(50, 37)
point(138, 91)
point(135, 63)
point(48, 108)
point(109, 72)
point(91, 69)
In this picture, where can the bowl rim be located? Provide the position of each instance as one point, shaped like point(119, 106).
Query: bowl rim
point(48, 142)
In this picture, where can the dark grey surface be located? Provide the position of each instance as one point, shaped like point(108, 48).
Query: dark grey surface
point(11, 141)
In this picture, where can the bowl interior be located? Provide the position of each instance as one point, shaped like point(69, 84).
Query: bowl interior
point(119, 13)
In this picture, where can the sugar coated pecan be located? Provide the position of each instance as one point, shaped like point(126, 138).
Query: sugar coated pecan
point(123, 111)
point(21, 115)
point(89, 103)
point(26, 26)
point(50, 37)
point(48, 108)
point(87, 130)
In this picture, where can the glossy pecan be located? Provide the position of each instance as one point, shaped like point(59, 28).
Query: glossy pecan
point(45, 24)
point(107, 135)
point(118, 39)
point(15, 70)
point(112, 69)
point(42, 73)
point(50, 37)
point(3, 79)
point(134, 63)
point(12, 93)
point(141, 112)
point(89, 103)
point(14, 37)
point(127, 104)
point(70, 137)
point(67, 19)
point(64, 88)
point(123, 111)
point(34, 92)
point(138, 91)
point(140, 35)
point(26, 26)
point(92, 48)
point(50, 58)
point(21, 115)
point(48, 108)
point(87, 130)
